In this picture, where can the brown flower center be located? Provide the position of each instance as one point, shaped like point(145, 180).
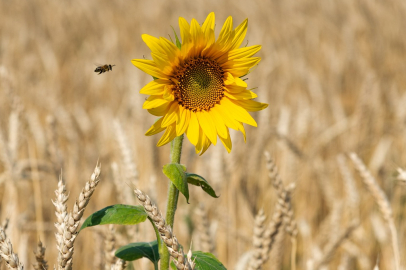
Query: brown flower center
point(200, 84)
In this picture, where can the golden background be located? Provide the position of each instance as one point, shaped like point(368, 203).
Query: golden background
point(333, 73)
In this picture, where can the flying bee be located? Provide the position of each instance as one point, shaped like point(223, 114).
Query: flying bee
point(104, 68)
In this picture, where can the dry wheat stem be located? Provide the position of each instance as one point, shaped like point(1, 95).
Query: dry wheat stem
point(382, 201)
point(41, 263)
point(203, 230)
point(284, 200)
point(70, 224)
point(333, 244)
point(7, 253)
point(181, 262)
point(109, 243)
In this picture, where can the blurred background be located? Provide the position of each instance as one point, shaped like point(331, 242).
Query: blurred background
point(333, 73)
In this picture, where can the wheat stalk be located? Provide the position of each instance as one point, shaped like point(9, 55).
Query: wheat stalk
point(109, 243)
point(333, 244)
point(181, 262)
point(382, 201)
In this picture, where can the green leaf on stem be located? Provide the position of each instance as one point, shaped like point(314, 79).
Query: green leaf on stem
point(176, 173)
point(197, 180)
point(116, 214)
point(135, 251)
point(204, 261)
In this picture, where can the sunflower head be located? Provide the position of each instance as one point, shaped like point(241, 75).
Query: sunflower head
point(198, 88)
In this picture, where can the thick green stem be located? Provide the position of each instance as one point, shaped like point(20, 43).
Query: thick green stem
point(172, 201)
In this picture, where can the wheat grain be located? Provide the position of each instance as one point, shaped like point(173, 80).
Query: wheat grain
point(7, 253)
point(41, 263)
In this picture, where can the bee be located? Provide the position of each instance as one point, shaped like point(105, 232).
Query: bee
point(104, 68)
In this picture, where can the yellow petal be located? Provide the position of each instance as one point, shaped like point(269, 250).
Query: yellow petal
point(206, 123)
point(226, 140)
point(184, 30)
point(153, 43)
point(168, 93)
point(241, 128)
point(228, 78)
point(238, 113)
point(234, 89)
point(149, 67)
point(162, 63)
point(218, 122)
point(243, 95)
point(172, 115)
point(251, 105)
point(240, 32)
point(161, 110)
point(228, 120)
point(153, 102)
point(226, 30)
point(197, 37)
point(183, 122)
point(155, 128)
point(171, 50)
point(155, 87)
point(244, 52)
point(193, 129)
point(206, 145)
point(209, 23)
point(241, 63)
point(168, 136)
point(199, 145)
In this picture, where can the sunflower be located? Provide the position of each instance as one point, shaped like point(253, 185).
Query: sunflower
point(197, 87)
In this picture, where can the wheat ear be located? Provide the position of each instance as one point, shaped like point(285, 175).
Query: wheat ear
point(61, 215)
point(257, 261)
point(284, 195)
point(7, 253)
point(181, 262)
point(382, 201)
point(41, 263)
point(119, 265)
point(109, 243)
point(71, 221)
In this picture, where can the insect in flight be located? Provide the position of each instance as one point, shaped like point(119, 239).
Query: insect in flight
point(104, 68)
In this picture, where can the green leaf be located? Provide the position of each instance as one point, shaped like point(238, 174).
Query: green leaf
point(176, 173)
point(197, 180)
point(116, 214)
point(173, 266)
point(206, 261)
point(178, 44)
point(135, 251)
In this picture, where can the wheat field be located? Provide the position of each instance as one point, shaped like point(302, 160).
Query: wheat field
point(332, 72)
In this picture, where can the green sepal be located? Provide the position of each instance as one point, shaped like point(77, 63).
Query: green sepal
point(116, 214)
point(178, 44)
point(197, 180)
point(135, 251)
point(177, 174)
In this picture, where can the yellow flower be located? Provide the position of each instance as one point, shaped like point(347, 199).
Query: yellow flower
point(198, 89)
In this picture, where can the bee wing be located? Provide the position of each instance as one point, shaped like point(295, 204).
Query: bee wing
point(98, 65)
